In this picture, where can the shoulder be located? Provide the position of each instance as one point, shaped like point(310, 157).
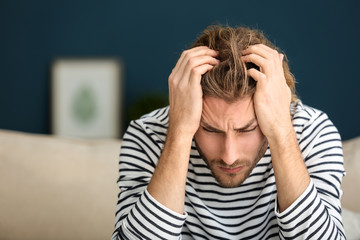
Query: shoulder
point(153, 125)
point(314, 130)
point(307, 119)
point(303, 113)
point(157, 117)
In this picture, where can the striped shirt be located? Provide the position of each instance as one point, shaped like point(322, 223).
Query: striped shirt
point(246, 212)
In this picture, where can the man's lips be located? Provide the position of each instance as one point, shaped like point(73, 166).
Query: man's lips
point(232, 170)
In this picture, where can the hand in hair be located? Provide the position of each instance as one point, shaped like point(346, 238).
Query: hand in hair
point(185, 93)
point(272, 97)
point(272, 107)
point(167, 184)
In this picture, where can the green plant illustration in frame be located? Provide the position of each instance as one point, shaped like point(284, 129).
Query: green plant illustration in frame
point(84, 104)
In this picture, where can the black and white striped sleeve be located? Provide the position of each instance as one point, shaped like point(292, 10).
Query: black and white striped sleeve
point(138, 214)
point(316, 214)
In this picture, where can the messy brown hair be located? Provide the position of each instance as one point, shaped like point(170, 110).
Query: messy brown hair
point(229, 79)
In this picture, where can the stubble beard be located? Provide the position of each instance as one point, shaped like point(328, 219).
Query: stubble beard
point(226, 180)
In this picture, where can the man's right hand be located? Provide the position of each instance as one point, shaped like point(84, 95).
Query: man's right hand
point(168, 182)
point(185, 93)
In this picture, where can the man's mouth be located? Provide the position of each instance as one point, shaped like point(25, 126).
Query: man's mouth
point(231, 170)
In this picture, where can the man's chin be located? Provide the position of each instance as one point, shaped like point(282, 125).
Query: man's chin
point(230, 180)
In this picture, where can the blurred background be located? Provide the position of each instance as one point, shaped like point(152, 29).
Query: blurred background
point(320, 39)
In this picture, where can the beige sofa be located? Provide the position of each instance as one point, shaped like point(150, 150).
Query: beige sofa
point(58, 188)
point(55, 188)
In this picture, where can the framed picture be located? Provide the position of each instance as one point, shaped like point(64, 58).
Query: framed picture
point(87, 98)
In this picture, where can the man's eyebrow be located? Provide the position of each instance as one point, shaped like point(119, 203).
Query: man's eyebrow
point(211, 128)
point(246, 125)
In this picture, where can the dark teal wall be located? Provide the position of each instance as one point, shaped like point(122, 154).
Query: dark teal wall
point(319, 37)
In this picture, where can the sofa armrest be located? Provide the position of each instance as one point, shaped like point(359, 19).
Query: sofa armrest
point(351, 182)
point(57, 188)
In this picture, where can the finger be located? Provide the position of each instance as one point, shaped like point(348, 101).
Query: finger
point(261, 50)
point(256, 49)
point(203, 50)
point(256, 75)
point(197, 72)
point(257, 60)
point(200, 60)
point(178, 72)
point(191, 53)
point(195, 62)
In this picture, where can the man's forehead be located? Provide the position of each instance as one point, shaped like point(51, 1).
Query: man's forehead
point(244, 105)
point(216, 111)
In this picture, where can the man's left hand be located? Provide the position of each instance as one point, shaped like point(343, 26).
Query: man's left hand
point(272, 96)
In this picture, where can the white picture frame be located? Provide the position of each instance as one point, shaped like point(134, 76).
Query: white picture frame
point(86, 98)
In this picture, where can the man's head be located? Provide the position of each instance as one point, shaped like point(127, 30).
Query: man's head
point(229, 138)
point(229, 79)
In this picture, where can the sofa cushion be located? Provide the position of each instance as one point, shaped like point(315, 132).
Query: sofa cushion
point(57, 188)
point(351, 221)
point(351, 182)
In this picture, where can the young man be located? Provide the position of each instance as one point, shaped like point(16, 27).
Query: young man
point(235, 156)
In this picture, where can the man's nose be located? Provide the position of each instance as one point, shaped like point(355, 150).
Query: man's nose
point(229, 153)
